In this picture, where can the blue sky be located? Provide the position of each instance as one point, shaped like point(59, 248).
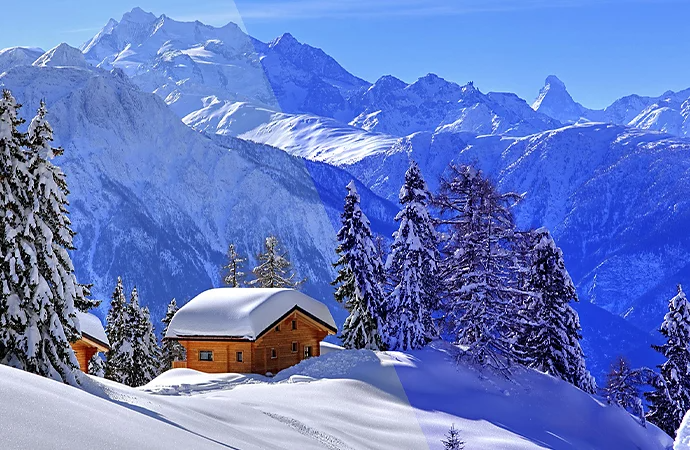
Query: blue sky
point(601, 49)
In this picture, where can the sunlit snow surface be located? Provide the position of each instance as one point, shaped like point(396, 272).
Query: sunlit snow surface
point(342, 400)
point(683, 436)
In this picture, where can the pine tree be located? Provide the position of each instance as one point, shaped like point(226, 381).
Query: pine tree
point(622, 388)
point(550, 338)
point(145, 350)
point(452, 440)
point(380, 246)
point(478, 308)
point(52, 218)
point(37, 301)
point(97, 366)
point(670, 399)
point(360, 278)
point(116, 328)
point(171, 349)
point(16, 264)
point(234, 277)
point(275, 270)
point(413, 269)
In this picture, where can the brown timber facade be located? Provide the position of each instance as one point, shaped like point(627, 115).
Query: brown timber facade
point(294, 337)
point(85, 348)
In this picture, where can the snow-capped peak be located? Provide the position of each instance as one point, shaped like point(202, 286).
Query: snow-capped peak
point(63, 55)
point(431, 86)
point(389, 82)
point(138, 15)
point(554, 82)
point(18, 56)
point(555, 101)
point(285, 40)
point(469, 89)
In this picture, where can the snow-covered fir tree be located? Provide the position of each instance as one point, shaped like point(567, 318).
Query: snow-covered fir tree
point(116, 322)
point(550, 337)
point(234, 276)
point(670, 399)
point(145, 350)
point(171, 350)
point(412, 267)
point(37, 300)
point(97, 366)
point(452, 440)
point(381, 246)
point(275, 269)
point(56, 235)
point(360, 278)
point(622, 388)
point(478, 308)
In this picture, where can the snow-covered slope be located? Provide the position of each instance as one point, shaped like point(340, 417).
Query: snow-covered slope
point(306, 135)
point(319, 138)
point(683, 437)
point(18, 56)
point(157, 203)
point(343, 400)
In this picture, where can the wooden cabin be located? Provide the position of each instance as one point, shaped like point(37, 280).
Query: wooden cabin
point(93, 340)
point(249, 330)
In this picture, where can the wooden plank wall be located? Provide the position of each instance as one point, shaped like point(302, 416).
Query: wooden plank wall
point(307, 334)
point(224, 356)
point(257, 355)
point(84, 352)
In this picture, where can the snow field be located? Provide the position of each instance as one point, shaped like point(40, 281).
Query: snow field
point(342, 400)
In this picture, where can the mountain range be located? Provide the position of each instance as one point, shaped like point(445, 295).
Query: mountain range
point(667, 113)
point(181, 138)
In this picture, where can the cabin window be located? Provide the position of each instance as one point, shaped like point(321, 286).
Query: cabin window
point(307, 351)
point(240, 357)
point(277, 327)
point(294, 324)
point(205, 355)
point(294, 347)
point(274, 354)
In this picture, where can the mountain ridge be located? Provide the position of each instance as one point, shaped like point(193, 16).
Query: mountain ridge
point(667, 113)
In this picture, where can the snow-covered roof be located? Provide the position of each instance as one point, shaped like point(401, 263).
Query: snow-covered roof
point(242, 313)
point(92, 327)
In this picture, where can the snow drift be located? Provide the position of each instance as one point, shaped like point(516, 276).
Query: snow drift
point(349, 399)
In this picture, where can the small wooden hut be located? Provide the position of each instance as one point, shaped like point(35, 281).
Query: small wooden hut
point(250, 330)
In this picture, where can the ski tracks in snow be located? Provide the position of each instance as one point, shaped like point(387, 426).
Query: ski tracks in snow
point(330, 442)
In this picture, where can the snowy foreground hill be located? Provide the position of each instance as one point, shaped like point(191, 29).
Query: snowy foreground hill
point(344, 400)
